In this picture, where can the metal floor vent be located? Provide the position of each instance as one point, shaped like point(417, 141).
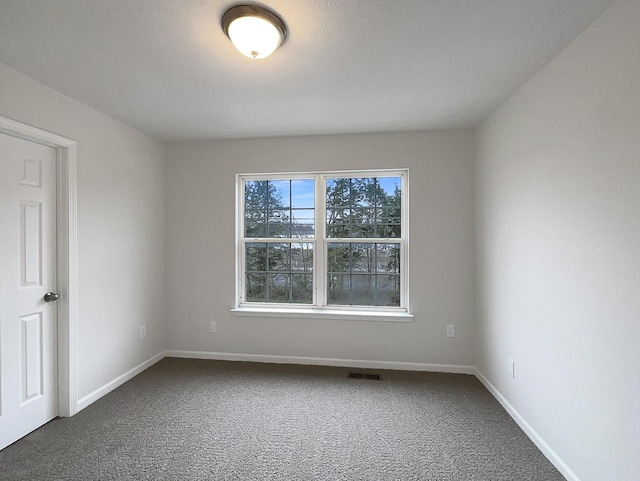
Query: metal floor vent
point(362, 375)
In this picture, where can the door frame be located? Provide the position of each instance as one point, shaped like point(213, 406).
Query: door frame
point(66, 256)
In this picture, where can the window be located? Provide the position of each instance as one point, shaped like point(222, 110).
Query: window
point(323, 243)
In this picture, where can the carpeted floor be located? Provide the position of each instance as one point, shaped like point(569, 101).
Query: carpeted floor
point(208, 420)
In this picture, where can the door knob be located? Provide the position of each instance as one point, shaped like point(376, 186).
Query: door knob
point(50, 297)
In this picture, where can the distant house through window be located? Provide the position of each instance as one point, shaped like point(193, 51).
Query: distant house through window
point(322, 241)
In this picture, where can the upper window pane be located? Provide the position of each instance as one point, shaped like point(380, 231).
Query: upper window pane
point(364, 207)
point(279, 208)
point(303, 194)
point(281, 193)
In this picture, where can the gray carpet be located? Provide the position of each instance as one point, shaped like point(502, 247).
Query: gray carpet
point(207, 420)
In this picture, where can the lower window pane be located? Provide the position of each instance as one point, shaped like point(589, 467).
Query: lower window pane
point(338, 257)
point(279, 255)
point(363, 257)
point(256, 256)
point(388, 258)
point(388, 290)
point(256, 287)
point(279, 272)
point(302, 257)
point(279, 288)
point(339, 289)
point(302, 288)
point(363, 274)
point(363, 290)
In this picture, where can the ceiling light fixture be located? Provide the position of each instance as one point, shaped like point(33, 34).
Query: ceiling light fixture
point(255, 31)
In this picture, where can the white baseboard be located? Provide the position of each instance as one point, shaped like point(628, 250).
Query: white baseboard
point(549, 453)
point(322, 361)
point(117, 382)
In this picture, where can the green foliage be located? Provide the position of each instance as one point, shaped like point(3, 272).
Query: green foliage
point(265, 214)
point(358, 273)
point(279, 272)
point(362, 208)
point(363, 272)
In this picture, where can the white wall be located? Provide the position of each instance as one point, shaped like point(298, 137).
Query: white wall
point(558, 230)
point(201, 240)
point(120, 228)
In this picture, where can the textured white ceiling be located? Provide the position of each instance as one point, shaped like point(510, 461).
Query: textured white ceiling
point(166, 68)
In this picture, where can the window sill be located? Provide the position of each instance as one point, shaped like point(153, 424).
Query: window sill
point(332, 314)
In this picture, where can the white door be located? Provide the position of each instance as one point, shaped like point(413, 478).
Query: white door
point(28, 326)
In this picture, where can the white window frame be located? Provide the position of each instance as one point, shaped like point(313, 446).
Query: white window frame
point(319, 307)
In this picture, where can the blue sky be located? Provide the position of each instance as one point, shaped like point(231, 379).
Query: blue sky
point(302, 190)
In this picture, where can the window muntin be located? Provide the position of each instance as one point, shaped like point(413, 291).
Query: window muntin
point(322, 240)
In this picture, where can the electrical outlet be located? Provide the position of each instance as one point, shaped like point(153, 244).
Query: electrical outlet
point(143, 331)
point(212, 326)
point(451, 330)
point(511, 367)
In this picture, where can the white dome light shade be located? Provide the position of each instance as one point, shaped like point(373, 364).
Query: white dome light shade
point(254, 31)
point(254, 37)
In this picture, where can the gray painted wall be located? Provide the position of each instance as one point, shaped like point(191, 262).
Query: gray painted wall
point(120, 228)
point(201, 247)
point(558, 181)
